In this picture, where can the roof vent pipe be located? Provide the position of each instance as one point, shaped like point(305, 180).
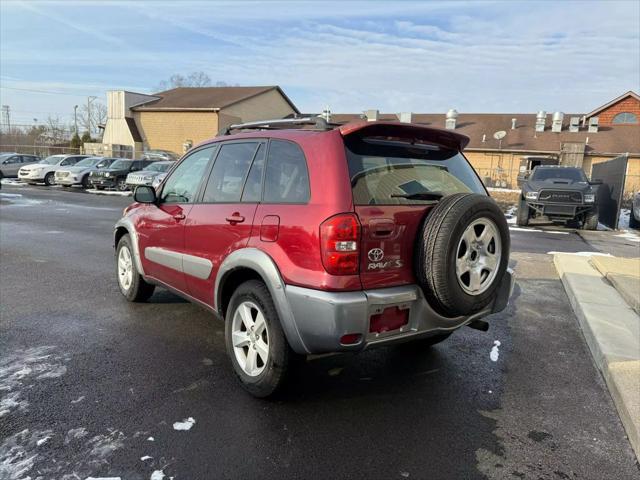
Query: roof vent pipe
point(406, 117)
point(514, 121)
point(541, 121)
point(372, 115)
point(556, 125)
point(451, 119)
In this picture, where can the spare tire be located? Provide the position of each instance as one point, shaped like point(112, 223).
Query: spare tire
point(462, 253)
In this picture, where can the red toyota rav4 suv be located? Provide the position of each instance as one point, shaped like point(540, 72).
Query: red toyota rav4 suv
point(320, 239)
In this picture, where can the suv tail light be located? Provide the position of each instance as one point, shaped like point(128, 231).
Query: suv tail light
point(339, 243)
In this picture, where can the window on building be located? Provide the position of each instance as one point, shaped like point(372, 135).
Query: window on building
point(286, 178)
point(625, 117)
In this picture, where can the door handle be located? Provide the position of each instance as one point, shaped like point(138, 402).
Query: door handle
point(179, 216)
point(235, 218)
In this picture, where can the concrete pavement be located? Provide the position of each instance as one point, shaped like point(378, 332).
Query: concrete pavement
point(610, 326)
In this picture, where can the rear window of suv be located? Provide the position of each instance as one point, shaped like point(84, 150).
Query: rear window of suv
point(383, 170)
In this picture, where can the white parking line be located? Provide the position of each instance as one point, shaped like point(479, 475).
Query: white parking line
point(518, 229)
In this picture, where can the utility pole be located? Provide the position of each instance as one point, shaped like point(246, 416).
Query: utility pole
point(75, 117)
point(7, 117)
point(89, 100)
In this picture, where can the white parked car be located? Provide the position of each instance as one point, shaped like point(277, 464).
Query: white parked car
point(79, 173)
point(44, 170)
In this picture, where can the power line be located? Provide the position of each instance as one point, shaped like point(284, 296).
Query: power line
point(50, 92)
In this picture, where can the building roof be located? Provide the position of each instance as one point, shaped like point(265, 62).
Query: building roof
point(630, 93)
point(205, 98)
point(608, 140)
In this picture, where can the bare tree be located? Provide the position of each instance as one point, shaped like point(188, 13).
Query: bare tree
point(98, 116)
point(54, 130)
point(194, 79)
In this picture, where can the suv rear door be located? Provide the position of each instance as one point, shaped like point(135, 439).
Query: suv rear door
point(222, 220)
point(387, 167)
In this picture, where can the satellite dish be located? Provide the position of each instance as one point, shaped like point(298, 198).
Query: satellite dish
point(499, 135)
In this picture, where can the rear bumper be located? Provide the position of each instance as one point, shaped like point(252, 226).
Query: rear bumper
point(322, 318)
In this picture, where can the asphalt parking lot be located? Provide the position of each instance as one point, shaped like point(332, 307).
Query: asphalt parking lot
point(93, 386)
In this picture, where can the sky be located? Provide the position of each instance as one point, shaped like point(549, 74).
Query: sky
point(494, 56)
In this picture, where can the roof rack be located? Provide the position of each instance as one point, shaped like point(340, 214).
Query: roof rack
point(278, 124)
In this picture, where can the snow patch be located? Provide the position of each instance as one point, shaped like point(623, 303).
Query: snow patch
point(75, 433)
point(146, 457)
point(185, 424)
point(623, 219)
point(108, 192)
point(520, 229)
point(582, 254)
point(17, 456)
point(495, 353)
point(157, 475)
point(104, 445)
point(78, 400)
point(10, 195)
point(20, 369)
point(151, 439)
point(627, 235)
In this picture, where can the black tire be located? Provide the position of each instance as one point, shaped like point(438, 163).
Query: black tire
point(280, 357)
point(85, 182)
point(121, 185)
point(98, 187)
point(438, 246)
point(590, 221)
point(522, 218)
point(139, 290)
point(49, 179)
point(633, 223)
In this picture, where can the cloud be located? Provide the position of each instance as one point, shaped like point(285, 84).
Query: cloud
point(395, 56)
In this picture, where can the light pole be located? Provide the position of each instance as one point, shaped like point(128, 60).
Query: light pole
point(75, 117)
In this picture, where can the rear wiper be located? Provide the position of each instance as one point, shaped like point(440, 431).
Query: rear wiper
point(419, 196)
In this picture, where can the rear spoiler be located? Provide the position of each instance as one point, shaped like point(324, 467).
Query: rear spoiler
point(438, 136)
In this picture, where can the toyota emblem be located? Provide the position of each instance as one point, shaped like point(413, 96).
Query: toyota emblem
point(375, 254)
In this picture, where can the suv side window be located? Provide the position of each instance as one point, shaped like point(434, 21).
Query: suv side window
point(286, 178)
point(182, 185)
point(14, 159)
point(252, 192)
point(229, 173)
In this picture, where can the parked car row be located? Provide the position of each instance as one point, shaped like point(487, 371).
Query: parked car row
point(86, 171)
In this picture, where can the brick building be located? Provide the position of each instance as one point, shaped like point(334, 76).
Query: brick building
point(179, 118)
point(569, 139)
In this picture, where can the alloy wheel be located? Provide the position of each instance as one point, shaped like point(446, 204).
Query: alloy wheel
point(250, 338)
point(478, 256)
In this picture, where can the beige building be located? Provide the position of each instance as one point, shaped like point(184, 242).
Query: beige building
point(178, 119)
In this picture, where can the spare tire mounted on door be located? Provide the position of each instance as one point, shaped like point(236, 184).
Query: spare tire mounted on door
point(462, 253)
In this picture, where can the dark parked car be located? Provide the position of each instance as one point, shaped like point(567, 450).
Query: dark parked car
point(561, 194)
point(149, 174)
point(10, 163)
point(116, 175)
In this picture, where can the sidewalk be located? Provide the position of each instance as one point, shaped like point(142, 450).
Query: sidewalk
point(610, 325)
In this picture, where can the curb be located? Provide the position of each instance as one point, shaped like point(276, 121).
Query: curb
point(612, 332)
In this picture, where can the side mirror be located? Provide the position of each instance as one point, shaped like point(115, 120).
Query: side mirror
point(595, 182)
point(144, 194)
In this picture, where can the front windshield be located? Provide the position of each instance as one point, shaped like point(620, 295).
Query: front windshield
point(387, 171)
point(89, 162)
point(52, 160)
point(571, 174)
point(121, 164)
point(158, 167)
